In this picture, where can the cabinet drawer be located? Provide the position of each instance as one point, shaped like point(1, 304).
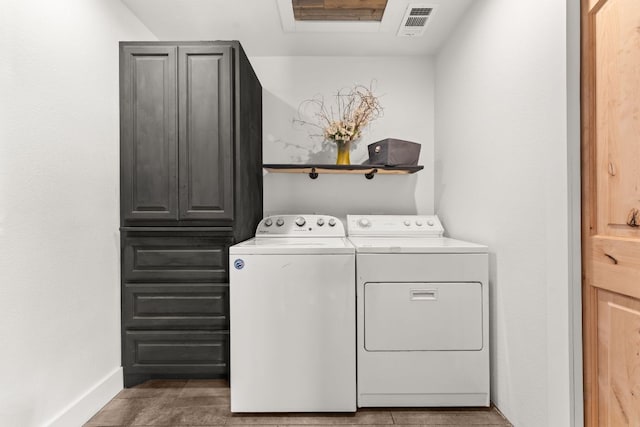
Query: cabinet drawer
point(175, 306)
point(170, 258)
point(176, 352)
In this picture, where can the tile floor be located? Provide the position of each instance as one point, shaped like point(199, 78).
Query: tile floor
point(206, 403)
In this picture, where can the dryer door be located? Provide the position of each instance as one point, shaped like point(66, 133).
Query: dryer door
point(423, 316)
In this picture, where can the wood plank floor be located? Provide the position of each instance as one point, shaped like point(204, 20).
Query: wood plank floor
point(206, 403)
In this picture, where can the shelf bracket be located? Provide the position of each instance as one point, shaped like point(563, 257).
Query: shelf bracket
point(371, 174)
point(313, 174)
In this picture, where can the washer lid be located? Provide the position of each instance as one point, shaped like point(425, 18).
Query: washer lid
point(430, 245)
point(294, 246)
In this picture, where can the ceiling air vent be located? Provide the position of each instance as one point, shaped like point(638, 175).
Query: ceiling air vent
point(415, 20)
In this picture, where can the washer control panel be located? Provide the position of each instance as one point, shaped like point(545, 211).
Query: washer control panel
point(394, 225)
point(300, 225)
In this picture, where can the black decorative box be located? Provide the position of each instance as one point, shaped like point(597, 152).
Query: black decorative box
point(393, 152)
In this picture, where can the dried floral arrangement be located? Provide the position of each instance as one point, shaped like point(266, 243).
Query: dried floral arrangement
point(343, 123)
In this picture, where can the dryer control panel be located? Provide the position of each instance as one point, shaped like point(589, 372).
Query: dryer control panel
point(300, 226)
point(394, 225)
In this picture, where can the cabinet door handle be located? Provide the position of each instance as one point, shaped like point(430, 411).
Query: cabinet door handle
point(423, 295)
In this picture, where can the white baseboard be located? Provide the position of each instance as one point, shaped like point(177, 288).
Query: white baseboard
point(83, 408)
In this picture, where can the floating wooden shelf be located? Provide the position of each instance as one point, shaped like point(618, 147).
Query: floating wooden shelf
point(368, 171)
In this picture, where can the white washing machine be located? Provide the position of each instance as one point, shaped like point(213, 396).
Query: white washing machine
point(422, 313)
point(293, 320)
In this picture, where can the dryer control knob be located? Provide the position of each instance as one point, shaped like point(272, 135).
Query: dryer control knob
point(300, 221)
point(364, 222)
point(280, 222)
point(430, 223)
point(407, 222)
point(332, 222)
point(268, 222)
point(320, 222)
point(418, 223)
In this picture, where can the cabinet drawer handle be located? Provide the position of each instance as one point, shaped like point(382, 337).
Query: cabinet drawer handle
point(423, 294)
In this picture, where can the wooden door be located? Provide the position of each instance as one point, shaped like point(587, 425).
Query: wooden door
point(206, 132)
point(149, 140)
point(611, 206)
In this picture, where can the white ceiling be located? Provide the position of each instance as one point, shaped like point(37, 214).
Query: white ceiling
point(258, 26)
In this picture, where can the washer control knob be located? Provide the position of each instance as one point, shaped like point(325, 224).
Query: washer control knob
point(280, 222)
point(268, 222)
point(364, 222)
point(418, 222)
point(430, 223)
point(300, 221)
point(320, 222)
point(332, 222)
point(407, 222)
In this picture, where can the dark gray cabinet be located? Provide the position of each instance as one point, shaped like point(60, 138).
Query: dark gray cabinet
point(149, 133)
point(191, 186)
point(175, 305)
point(206, 133)
point(174, 354)
point(177, 122)
point(170, 255)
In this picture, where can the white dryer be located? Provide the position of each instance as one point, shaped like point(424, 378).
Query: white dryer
point(292, 313)
point(422, 313)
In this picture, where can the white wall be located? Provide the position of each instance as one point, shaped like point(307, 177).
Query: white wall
point(502, 179)
point(59, 247)
point(406, 88)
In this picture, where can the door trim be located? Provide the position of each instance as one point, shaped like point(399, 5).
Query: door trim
point(574, 171)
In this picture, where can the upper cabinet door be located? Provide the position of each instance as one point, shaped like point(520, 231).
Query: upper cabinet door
point(206, 132)
point(149, 143)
